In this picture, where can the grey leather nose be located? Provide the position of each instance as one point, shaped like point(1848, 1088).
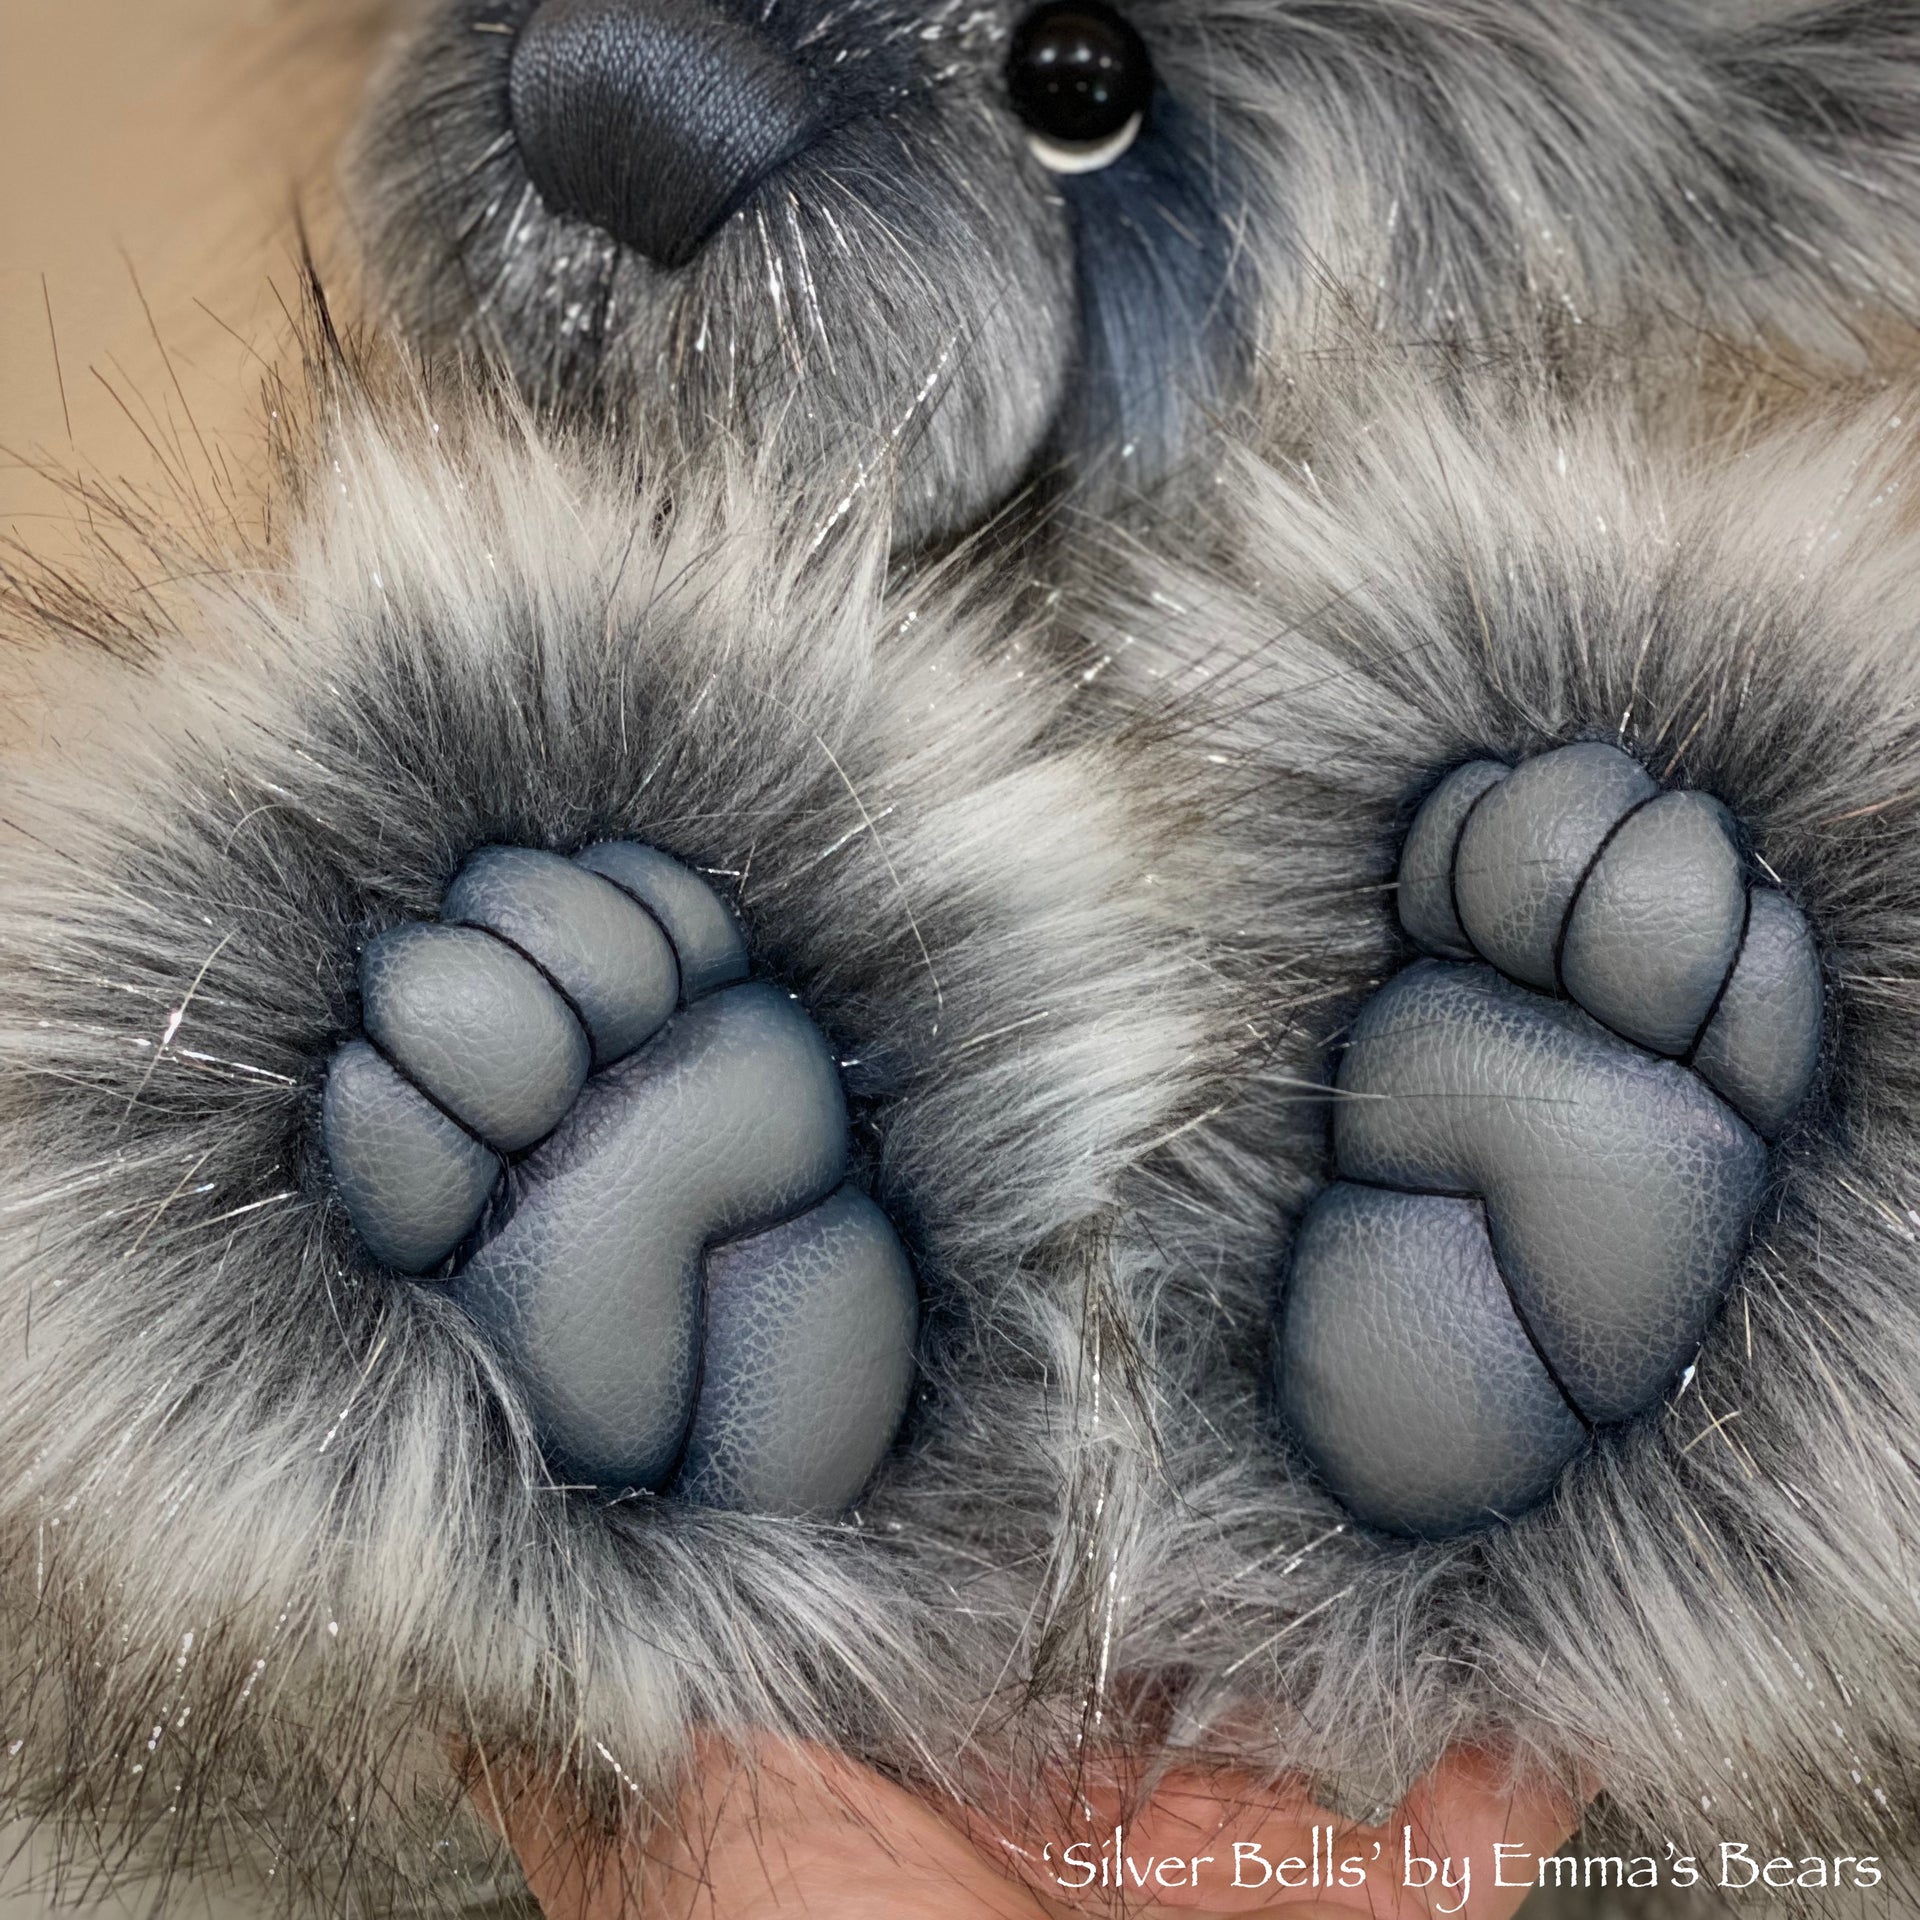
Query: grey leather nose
point(653, 119)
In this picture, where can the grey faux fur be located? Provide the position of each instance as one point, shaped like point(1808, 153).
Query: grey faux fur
point(276, 1527)
point(283, 1532)
point(1717, 1618)
point(918, 292)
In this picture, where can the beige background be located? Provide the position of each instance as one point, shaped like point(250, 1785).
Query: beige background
point(148, 148)
point(153, 152)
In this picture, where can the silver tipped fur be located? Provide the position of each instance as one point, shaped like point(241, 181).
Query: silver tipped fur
point(1714, 1614)
point(277, 1540)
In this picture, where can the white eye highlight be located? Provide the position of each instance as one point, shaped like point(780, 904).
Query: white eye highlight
point(1062, 156)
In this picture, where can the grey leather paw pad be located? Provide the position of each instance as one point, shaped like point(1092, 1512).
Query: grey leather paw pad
point(627, 1161)
point(1550, 1138)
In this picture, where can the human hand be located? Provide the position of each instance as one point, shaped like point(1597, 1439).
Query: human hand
point(790, 1830)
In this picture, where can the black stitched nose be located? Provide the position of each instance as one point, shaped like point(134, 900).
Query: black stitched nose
point(654, 119)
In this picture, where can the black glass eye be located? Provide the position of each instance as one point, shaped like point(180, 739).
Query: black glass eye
point(1079, 75)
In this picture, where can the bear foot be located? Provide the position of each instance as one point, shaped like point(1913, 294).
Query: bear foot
point(626, 1161)
point(1550, 1138)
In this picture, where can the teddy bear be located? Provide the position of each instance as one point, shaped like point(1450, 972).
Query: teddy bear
point(914, 634)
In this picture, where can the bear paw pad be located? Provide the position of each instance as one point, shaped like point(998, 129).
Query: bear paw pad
point(1550, 1138)
point(626, 1160)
